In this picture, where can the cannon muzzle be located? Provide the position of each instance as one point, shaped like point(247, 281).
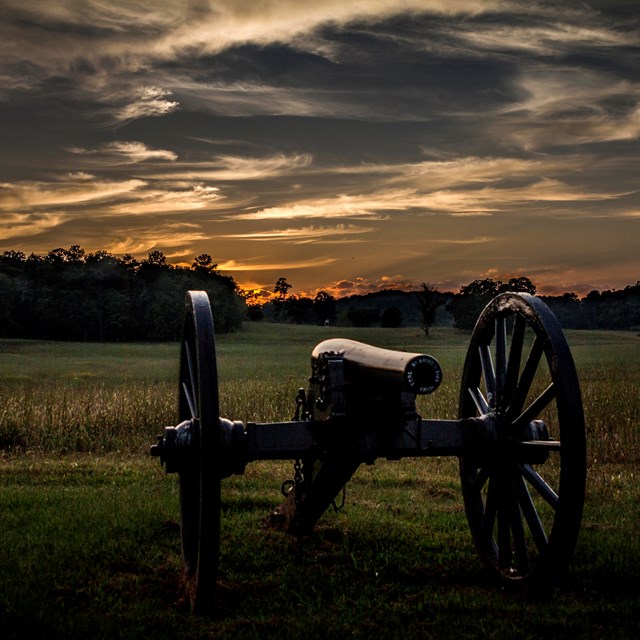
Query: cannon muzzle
point(375, 367)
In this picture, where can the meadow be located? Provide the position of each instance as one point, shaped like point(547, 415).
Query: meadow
point(89, 542)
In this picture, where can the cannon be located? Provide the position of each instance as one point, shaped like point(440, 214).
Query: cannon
point(519, 438)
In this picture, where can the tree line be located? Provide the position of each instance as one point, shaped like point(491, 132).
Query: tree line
point(611, 309)
point(68, 294)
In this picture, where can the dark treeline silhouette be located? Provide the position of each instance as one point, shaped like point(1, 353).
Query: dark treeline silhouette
point(617, 309)
point(68, 294)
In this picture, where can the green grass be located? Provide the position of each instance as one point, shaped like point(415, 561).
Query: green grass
point(89, 542)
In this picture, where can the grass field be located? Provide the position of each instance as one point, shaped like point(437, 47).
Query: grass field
point(89, 536)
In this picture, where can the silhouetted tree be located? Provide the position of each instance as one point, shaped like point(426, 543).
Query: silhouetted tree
point(466, 306)
point(281, 289)
point(324, 307)
point(429, 299)
point(300, 309)
point(391, 318)
point(362, 317)
point(204, 264)
point(520, 283)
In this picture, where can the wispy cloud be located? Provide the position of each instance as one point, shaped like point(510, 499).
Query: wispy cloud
point(169, 236)
point(482, 200)
point(76, 189)
point(237, 168)
point(341, 233)
point(124, 152)
point(363, 285)
point(257, 264)
point(16, 225)
point(147, 101)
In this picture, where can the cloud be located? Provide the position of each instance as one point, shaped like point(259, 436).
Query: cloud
point(474, 240)
point(128, 36)
point(238, 168)
point(156, 201)
point(76, 189)
point(569, 31)
point(16, 225)
point(256, 264)
point(572, 106)
point(83, 192)
point(363, 285)
point(461, 201)
point(125, 152)
point(304, 235)
point(148, 101)
point(162, 236)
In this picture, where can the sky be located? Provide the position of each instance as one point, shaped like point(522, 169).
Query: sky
point(346, 145)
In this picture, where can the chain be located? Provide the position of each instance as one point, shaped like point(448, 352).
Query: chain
point(337, 507)
point(298, 480)
point(301, 406)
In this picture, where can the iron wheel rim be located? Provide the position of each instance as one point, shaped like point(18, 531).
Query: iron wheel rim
point(524, 522)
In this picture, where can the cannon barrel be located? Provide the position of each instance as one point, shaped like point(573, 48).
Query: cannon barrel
point(364, 365)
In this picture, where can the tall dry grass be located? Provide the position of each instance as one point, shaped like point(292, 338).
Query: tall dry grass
point(62, 411)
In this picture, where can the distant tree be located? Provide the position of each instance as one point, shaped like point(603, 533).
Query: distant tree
point(281, 289)
point(466, 306)
point(362, 317)
point(429, 299)
point(521, 283)
point(204, 264)
point(567, 309)
point(593, 305)
point(129, 262)
point(251, 298)
point(299, 309)
point(7, 298)
point(391, 318)
point(324, 307)
point(14, 258)
point(156, 258)
point(74, 254)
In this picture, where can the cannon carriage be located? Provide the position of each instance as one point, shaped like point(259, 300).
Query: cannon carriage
point(519, 438)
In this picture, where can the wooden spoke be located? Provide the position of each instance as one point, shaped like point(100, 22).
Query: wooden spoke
point(501, 358)
point(519, 539)
point(479, 400)
point(535, 408)
point(504, 526)
point(530, 513)
point(191, 389)
point(526, 379)
point(481, 479)
point(538, 483)
point(488, 374)
point(490, 511)
point(188, 396)
point(515, 357)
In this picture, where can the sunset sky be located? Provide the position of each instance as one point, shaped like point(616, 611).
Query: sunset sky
point(347, 145)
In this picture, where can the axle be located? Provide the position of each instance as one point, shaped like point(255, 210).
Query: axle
point(241, 444)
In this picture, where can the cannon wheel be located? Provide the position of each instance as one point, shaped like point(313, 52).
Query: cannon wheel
point(199, 477)
point(523, 499)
